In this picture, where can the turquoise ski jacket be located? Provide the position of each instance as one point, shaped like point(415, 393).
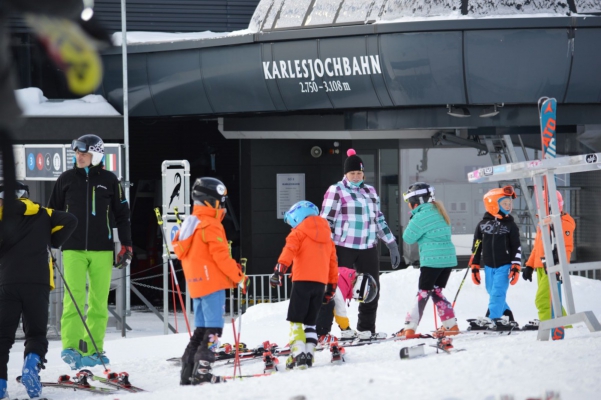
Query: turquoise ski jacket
point(432, 234)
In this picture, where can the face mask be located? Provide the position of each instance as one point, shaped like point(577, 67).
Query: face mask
point(356, 184)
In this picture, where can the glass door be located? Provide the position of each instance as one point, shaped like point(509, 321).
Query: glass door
point(382, 172)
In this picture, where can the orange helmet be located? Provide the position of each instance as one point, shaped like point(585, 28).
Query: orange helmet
point(492, 197)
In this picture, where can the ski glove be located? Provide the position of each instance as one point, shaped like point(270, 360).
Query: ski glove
point(330, 292)
point(395, 256)
point(124, 257)
point(244, 283)
point(514, 274)
point(527, 273)
point(476, 274)
point(278, 273)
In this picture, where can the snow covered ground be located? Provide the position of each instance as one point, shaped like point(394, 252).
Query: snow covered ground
point(516, 365)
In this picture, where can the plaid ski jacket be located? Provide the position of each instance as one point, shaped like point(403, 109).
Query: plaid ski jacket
point(354, 216)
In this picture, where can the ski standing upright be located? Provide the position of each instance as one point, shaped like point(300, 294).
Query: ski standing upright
point(547, 110)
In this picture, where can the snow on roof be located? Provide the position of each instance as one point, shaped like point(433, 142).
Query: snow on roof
point(34, 104)
point(169, 37)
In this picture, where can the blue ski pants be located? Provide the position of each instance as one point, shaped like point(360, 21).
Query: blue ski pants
point(497, 283)
point(209, 310)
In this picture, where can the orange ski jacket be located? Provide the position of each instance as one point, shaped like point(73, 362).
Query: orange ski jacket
point(202, 247)
point(311, 251)
point(538, 252)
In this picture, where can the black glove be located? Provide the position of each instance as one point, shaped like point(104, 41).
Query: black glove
point(278, 273)
point(330, 292)
point(124, 257)
point(527, 273)
point(395, 256)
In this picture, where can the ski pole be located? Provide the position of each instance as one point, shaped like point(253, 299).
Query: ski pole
point(106, 370)
point(174, 303)
point(243, 262)
point(179, 292)
point(469, 263)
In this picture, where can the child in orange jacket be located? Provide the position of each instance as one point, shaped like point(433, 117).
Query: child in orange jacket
point(209, 269)
point(535, 262)
point(312, 254)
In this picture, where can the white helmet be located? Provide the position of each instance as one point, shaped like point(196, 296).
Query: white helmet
point(90, 144)
point(365, 288)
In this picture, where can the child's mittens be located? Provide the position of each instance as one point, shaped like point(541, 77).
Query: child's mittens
point(476, 274)
point(527, 273)
point(329, 294)
point(514, 274)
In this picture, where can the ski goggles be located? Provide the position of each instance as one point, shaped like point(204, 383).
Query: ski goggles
point(508, 191)
point(78, 145)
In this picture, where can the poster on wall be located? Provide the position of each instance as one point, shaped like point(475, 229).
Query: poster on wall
point(290, 188)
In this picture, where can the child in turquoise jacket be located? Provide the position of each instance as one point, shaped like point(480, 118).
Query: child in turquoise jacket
point(430, 228)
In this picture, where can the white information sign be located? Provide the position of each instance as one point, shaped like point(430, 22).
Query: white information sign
point(290, 188)
point(175, 195)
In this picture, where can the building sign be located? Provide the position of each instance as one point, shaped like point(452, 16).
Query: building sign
point(330, 70)
point(44, 162)
point(290, 188)
point(336, 66)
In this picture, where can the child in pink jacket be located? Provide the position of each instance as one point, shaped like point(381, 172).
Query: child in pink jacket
point(349, 287)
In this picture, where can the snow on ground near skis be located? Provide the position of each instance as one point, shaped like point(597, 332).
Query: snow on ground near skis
point(518, 364)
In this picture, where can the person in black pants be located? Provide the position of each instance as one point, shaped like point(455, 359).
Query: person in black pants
point(26, 278)
point(352, 209)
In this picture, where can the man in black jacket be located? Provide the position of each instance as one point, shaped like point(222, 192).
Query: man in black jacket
point(96, 198)
point(26, 278)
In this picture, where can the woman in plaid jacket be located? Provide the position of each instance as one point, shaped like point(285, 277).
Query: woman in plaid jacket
point(352, 210)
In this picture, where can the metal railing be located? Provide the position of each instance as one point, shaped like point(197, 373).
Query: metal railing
point(258, 291)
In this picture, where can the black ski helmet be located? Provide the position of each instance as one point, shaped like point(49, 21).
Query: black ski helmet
point(419, 193)
point(90, 144)
point(21, 192)
point(210, 192)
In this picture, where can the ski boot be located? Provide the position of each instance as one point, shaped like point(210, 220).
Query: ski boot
point(95, 359)
point(300, 361)
point(73, 358)
point(481, 324)
point(202, 374)
point(3, 389)
point(348, 334)
point(337, 353)
point(531, 325)
point(271, 362)
point(448, 328)
point(186, 372)
point(31, 374)
point(505, 324)
point(327, 338)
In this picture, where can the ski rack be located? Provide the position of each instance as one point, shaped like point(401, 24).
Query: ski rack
point(537, 170)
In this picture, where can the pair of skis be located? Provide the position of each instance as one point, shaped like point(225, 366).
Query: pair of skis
point(547, 110)
point(81, 382)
